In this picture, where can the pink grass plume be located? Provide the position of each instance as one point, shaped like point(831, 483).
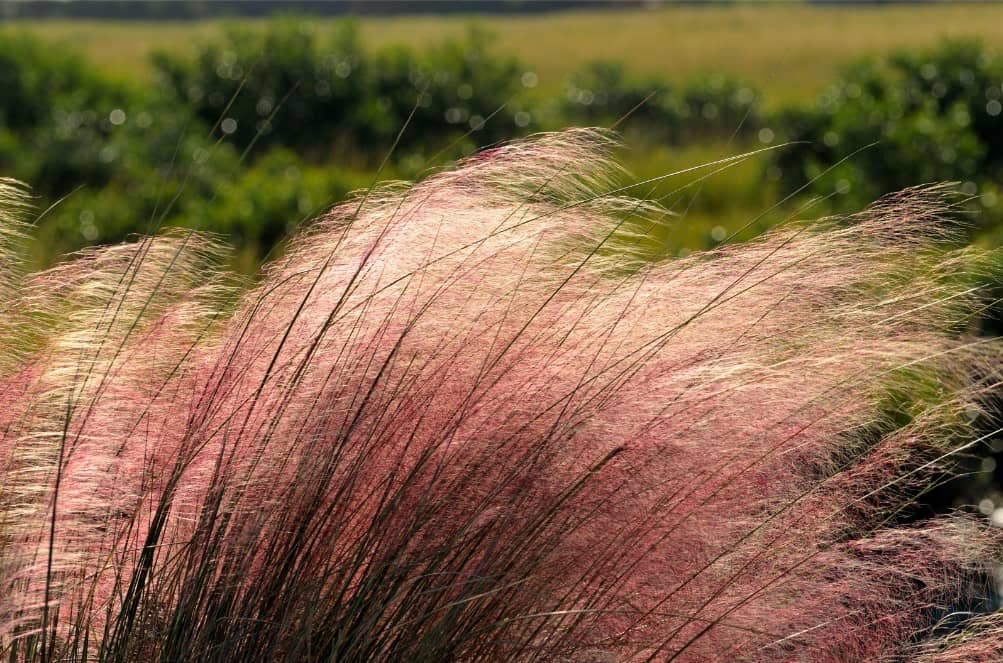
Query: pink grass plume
point(467, 419)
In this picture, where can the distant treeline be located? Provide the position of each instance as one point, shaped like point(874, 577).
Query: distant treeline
point(181, 10)
point(200, 9)
point(261, 126)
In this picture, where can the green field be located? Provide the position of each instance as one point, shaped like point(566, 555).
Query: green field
point(789, 52)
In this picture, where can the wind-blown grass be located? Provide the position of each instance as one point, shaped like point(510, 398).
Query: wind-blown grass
point(462, 420)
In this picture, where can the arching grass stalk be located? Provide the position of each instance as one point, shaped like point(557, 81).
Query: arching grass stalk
point(465, 419)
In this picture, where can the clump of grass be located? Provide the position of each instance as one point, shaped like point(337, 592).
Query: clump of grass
point(464, 419)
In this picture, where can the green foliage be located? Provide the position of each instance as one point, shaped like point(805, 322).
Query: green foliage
point(268, 201)
point(140, 195)
point(318, 96)
point(919, 117)
point(266, 125)
point(250, 74)
point(706, 108)
point(53, 116)
point(113, 160)
point(460, 88)
point(36, 78)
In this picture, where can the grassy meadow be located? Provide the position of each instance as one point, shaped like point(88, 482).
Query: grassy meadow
point(789, 52)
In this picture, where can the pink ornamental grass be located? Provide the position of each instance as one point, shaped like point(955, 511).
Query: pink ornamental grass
point(464, 419)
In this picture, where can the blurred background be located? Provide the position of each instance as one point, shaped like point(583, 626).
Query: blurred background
point(250, 118)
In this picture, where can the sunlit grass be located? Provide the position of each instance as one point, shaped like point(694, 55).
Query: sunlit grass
point(709, 203)
point(461, 421)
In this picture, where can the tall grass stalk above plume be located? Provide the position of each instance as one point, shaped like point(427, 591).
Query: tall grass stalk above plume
point(464, 420)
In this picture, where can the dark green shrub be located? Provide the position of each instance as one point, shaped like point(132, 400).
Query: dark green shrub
point(717, 105)
point(268, 201)
point(328, 94)
point(927, 117)
point(113, 161)
point(54, 116)
point(460, 88)
point(36, 78)
point(710, 107)
point(311, 87)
